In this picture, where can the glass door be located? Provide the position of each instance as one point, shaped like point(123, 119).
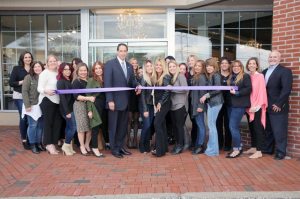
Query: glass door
point(139, 50)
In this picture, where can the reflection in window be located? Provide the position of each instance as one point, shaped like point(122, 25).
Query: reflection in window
point(27, 32)
point(141, 53)
point(141, 26)
point(197, 33)
point(252, 29)
point(64, 36)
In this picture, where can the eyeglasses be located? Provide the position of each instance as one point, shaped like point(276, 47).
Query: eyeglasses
point(67, 69)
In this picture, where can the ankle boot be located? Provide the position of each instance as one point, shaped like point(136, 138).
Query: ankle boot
point(41, 147)
point(66, 148)
point(26, 145)
point(34, 149)
point(71, 148)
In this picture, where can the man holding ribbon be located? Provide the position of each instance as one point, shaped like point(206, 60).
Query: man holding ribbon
point(118, 73)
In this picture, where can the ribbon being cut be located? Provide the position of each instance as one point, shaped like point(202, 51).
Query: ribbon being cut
point(100, 90)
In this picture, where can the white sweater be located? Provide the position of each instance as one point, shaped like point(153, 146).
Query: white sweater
point(47, 80)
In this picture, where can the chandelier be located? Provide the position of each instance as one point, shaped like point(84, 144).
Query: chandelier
point(253, 43)
point(130, 24)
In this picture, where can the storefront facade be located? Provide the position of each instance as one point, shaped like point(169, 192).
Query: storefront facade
point(91, 30)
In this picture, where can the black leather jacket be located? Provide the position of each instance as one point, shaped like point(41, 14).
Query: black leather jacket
point(146, 96)
point(163, 96)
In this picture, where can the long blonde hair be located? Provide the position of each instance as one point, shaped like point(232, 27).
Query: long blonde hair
point(134, 70)
point(148, 78)
point(240, 76)
point(174, 77)
point(159, 80)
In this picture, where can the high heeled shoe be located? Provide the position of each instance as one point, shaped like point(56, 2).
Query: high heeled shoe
point(234, 154)
point(51, 150)
point(83, 153)
point(66, 149)
point(97, 153)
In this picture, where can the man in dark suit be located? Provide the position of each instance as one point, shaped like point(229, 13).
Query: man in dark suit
point(279, 85)
point(118, 73)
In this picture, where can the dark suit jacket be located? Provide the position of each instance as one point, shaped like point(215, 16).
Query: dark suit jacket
point(279, 87)
point(115, 77)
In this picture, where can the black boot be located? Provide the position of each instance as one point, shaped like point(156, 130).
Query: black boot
point(26, 145)
point(34, 149)
point(41, 147)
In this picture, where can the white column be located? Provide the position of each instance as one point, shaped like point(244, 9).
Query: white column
point(171, 31)
point(84, 21)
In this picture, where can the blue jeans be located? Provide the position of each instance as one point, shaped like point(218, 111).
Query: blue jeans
point(35, 130)
point(212, 144)
point(201, 129)
point(146, 130)
point(235, 116)
point(23, 124)
point(70, 128)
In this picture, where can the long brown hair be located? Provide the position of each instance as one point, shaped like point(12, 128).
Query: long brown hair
point(95, 76)
point(211, 62)
point(31, 70)
point(197, 76)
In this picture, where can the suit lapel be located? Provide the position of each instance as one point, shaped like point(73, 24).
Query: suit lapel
point(121, 69)
point(272, 74)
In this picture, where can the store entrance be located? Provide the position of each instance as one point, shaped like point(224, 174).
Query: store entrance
point(139, 50)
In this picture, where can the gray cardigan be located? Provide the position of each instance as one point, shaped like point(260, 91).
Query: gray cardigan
point(179, 97)
point(197, 94)
point(214, 97)
point(29, 91)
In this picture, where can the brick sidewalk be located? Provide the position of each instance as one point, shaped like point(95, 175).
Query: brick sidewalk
point(23, 173)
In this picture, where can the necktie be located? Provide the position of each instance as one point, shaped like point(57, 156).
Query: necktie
point(124, 68)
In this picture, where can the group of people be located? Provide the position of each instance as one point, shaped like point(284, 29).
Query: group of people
point(46, 117)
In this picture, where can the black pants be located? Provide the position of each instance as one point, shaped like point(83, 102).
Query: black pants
point(94, 140)
point(178, 120)
point(117, 128)
point(276, 133)
point(161, 138)
point(104, 125)
point(52, 121)
point(169, 125)
point(224, 134)
point(194, 130)
point(257, 131)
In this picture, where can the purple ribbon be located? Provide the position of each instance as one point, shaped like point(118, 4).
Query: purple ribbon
point(100, 90)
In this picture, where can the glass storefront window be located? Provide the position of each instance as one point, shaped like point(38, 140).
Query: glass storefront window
point(28, 32)
point(201, 34)
point(198, 34)
point(132, 26)
point(139, 50)
point(250, 29)
point(64, 36)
